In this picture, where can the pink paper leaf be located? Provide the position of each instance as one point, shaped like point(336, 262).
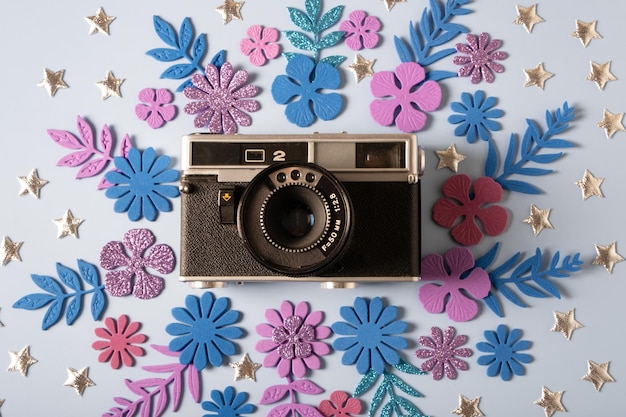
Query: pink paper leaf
point(281, 410)
point(103, 184)
point(74, 159)
point(193, 382)
point(274, 394)
point(163, 399)
point(304, 386)
point(305, 410)
point(125, 146)
point(91, 168)
point(85, 131)
point(65, 139)
point(106, 140)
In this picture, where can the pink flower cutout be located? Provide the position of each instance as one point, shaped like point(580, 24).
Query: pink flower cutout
point(469, 204)
point(403, 98)
point(441, 351)
point(479, 59)
point(156, 110)
point(451, 293)
point(339, 405)
point(118, 346)
point(260, 44)
point(293, 339)
point(361, 30)
point(136, 241)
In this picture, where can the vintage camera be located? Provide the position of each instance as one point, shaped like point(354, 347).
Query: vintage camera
point(334, 208)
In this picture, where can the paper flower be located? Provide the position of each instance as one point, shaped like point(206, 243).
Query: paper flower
point(452, 294)
point(466, 201)
point(260, 45)
point(136, 241)
point(227, 404)
point(120, 336)
point(204, 330)
point(223, 99)
point(502, 347)
point(474, 118)
point(370, 329)
point(294, 333)
point(361, 30)
point(403, 98)
point(340, 405)
point(305, 79)
point(441, 351)
point(138, 187)
point(480, 54)
point(156, 110)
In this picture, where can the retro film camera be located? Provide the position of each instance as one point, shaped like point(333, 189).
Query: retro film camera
point(333, 208)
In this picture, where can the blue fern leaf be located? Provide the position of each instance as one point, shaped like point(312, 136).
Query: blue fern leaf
point(198, 49)
point(165, 31)
point(33, 301)
point(98, 304)
point(165, 54)
point(219, 58)
point(89, 273)
point(439, 75)
point(185, 34)
point(404, 53)
point(47, 284)
point(72, 311)
point(178, 71)
point(68, 277)
point(492, 302)
point(328, 19)
point(546, 158)
point(53, 314)
point(519, 186)
point(487, 259)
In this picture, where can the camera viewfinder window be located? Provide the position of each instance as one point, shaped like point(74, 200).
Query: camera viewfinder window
point(211, 153)
point(380, 155)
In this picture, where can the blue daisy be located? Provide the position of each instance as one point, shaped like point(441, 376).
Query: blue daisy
point(204, 330)
point(503, 347)
point(370, 331)
point(137, 184)
point(474, 116)
point(227, 404)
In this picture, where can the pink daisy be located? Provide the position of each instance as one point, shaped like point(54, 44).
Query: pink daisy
point(120, 337)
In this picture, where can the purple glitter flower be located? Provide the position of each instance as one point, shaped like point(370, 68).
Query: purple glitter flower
point(293, 334)
point(157, 109)
point(223, 98)
point(442, 352)
point(136, 241)
point(361, 30)
point(478, 61)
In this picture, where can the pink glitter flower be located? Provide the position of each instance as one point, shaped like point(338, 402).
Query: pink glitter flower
point(442, 351)
point(157, 109)
point(223, 96)
point(339, 405)
point(293, 334)
point(260, 45)
point(361, 30)
point(478, 63)
point(118, 347)
point(402, 97)
point(136, 241)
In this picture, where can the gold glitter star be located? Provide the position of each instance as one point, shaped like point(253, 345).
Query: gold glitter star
point(390, 3)
point(230, 10)
point(538, 219)
point(565, 323)
point(449, 158)
point(20, 361)
point(611, 123)
point(245, 368)
point(600, 74)
point(99, 22)
point(110, 85)
point(590, 185)
point(527, 16)
point(10, 251)
point(598, 374)
point(467, 407)
point(67, 225)
point(78, 380)
point(586, 32)
point(52, 81)
point(607, 256)
point(550, 401)
point(31, 184)
point(1, 402)
point(361, 67)
point(537, 76)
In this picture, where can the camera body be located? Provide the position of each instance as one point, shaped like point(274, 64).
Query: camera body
point(334, 208)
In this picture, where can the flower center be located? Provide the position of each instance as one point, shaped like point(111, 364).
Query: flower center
point(480, 57)
point(141, 184)
point(369, 335)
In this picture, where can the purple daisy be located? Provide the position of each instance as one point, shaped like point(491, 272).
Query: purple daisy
point(480, 54)
point(441, 351)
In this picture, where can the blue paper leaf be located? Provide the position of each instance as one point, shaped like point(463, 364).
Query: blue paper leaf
point(72, 311)
point(165, 31)
point(68, 277)
point(89, 273)
point(47, 284)
point(199, 49)
point(53, 314)
point(185, 34)
point(178, 71)
point(98, 304)
point(404, 53)
point(492, 302)
point(219, 59)
point(165, 54)
point(33, 301)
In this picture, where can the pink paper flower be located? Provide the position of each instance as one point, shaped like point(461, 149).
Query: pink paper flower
point(293, 344)
point(361, 30)
point(260, 45)
point(401, 97)
point(157, 109)
point(118, 347)
point(451, 293)
point(479, 59)
point(339, 405)
point(441, 351)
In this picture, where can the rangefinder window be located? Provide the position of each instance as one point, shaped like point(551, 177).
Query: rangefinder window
point(211, 153)
point(380, 155)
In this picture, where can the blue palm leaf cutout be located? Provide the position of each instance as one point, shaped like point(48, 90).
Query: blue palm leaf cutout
point(59, 300)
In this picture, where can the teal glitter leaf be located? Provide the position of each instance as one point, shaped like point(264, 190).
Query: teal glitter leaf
point(367, 382)
point(330, 39)
point(313, 8)
point(300, 40)
point(334, 60)
point(300, 19)
point(329, 19)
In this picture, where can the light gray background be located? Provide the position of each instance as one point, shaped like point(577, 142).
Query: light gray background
point(54, 35)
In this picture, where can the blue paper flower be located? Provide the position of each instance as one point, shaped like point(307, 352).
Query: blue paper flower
point(305, 79)
point(503, 357)
point(474, 118)
point(370, 330)
point(137, 184)
point(204, 330)
point(227, 404)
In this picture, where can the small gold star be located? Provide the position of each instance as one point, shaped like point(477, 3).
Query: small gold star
point(245, 368)
point(537, 76)
point(449, 158)
point(361, 67)
point(10, 251)
point(67, 225)
point(600, 74)
point(78, 380)
point(1, 402)
point(467, 407)
point(31, 184)
point(611, 123)
point(52, 81)
point(565, 323)
point(110, 85)
point(230, 10)
point(20, 361)
point(585, 32)
point(590, 185)
point(527, 16)
point(390, 3)
point(550, 401)
point(538, 219)
point(598, 374)
point(607, 256)
point(99, 22)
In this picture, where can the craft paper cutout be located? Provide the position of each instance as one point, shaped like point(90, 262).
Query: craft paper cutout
point(155, 108)
point(340, 405)
point(503, 357)
point(110, 86)
point(78, 379)
point(474, 116)
point(480, 54)
point(607, 256)
point(31, 183)
point(227, 404)
point(9, 250)
point(260, 45)
point(120, 336)
point(598, 374)
point(67, 225)
point(361, 30)
point(52, 81)
point(441, 351)
point(21, 361)
point(291, 389)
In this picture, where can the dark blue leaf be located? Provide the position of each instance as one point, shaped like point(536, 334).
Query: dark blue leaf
point(404, 53)
point(73, 309)
point(530, 137)
point(530, 291)
point(199, 49)
point(510, 295)
point(47, 284)
point(53, 314)
point(178, 71)
point(187, 83)
point(219, 58)
point(533, 172)
point(98, 304)
point(546, 158)
point(185, 34)
point(491, 163)
point(33, 301)
point(69, 277)
point(89, 273)
point(509, 159)
point(425, 25)
point(487, 259)
point(329, 18)
point(439, 75)
point(430, 59)
point(557, 143)
point(165, 31)
point(165, 54)
point(416, 42)
point(492, 302)
point(435, 10)
point(519, 186)
point(548, 287)
point(506, 266)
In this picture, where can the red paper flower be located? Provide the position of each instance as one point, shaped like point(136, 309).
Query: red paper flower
point(339, 405)
point(118, 347)
point(467, 203)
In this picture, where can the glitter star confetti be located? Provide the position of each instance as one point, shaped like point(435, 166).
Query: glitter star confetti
point(537, 76)
point(449, 158)
point(390, 3)
point(21, 361)
point(538, 219)
point(79, 380)
point(9, 250)
point(590, 185)
point(550, 401)
point(528, 17)
point(361, 67)
point(467, 407)
point(586, 32)
point(52, 81)
point(600, 74)
point(99, 23)
point(31, 184)
point(110, 86)
point(611, 123)
point(598, 374)
point(245, 368)
point(607, 256)
point(565, 323)
point(230, 10)
point(67, 225)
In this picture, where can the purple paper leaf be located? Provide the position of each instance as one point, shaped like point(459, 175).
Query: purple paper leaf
point(91, 168)
point(65, 139)
point(193, 382)
point(170, 367)
point(304, 386)
point(163, 350)
point(85, 132)
point(136, 388)
point(307, 410)
point(125, 146)
point(74, 159)
point(281, 410)
point(163, 399)
point(274, 394)
point(122, 401)
point(103, 184)
point(106, 140)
